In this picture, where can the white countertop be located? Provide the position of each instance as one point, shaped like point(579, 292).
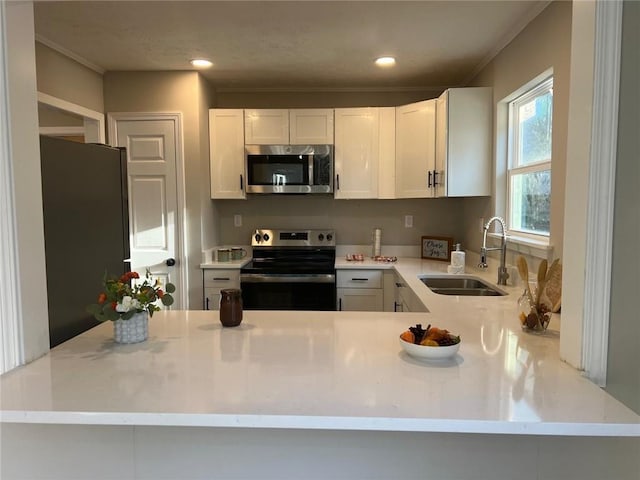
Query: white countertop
point(320, 370)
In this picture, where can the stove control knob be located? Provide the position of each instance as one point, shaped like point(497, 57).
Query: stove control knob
point(258, 237)
point(265, 237)
point(329, 237)
point(321, 237)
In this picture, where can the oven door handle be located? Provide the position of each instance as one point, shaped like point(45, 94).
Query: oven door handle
point(287, 278)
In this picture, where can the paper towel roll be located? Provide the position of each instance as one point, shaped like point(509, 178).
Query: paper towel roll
point(377, 238)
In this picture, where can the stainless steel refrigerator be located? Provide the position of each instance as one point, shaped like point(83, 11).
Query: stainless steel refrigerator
point(86, 228)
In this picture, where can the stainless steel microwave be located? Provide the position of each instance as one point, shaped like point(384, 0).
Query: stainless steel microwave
point(289, 168)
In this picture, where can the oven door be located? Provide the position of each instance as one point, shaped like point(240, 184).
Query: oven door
point(264, 291)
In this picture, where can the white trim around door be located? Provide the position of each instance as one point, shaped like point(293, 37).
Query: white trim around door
point(181, 254)
point(11, 351)
point(602, 170)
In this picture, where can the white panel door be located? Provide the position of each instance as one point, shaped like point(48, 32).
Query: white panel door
point(154, 221)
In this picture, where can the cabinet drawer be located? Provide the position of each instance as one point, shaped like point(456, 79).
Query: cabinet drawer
point(359, 279)
point(222, 278)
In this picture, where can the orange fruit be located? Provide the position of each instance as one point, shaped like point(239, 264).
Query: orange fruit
point(408, 336)
point(427, 342)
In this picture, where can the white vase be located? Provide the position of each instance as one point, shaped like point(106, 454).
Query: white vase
point(134, 330)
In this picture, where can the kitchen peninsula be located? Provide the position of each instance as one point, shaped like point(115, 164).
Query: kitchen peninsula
point(316, 395)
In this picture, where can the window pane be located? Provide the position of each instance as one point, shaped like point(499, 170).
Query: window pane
point(535, 129)
point(530, 202)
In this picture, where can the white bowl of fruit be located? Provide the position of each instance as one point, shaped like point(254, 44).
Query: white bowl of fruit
point(433, 343)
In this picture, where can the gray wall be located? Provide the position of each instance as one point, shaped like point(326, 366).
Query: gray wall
point(183, 92)
point(623, 367)
point(329, 98)
point(353, 220)
point(544, 43)
point(64, 78)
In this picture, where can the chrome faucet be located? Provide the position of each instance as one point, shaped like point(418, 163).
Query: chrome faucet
point(502, 270)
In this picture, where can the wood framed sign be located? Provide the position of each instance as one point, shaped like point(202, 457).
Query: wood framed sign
point(437, 248)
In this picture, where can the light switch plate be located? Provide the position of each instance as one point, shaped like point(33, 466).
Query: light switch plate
point(237, 220)
point(408, 221)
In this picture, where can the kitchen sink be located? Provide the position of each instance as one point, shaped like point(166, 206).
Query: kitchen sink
point(461, 285)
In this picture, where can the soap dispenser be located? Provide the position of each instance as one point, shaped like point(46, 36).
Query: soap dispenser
point(457, 260)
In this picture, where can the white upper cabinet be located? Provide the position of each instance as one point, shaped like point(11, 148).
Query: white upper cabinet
point(266, 127)
point(226, 153)
point(312, 126)
point(463, 142)
point(387, 152)
point(356, 153)
point(415, 149)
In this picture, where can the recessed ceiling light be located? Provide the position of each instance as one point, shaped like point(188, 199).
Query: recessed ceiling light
point(385, 61)
point(201, 63)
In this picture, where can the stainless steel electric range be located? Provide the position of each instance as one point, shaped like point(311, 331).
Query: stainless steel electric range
point(290, 270)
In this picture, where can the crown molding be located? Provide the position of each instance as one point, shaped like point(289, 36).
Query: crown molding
point(68, 53)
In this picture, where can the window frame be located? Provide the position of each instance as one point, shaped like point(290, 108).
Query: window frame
point(513, 154)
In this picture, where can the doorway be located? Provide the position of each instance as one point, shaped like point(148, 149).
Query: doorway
point(156, 194)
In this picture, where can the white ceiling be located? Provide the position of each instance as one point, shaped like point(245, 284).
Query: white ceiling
point(294, 44)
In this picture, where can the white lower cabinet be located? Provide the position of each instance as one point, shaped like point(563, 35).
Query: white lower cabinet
point(405, 300)
point(215, 280)
point(360, 290)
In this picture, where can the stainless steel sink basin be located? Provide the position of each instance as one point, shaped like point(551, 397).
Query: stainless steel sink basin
point(461, 285)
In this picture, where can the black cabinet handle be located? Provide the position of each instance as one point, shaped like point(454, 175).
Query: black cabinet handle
point(435, 181)
point(221, 279)
point(338, 181)
point(206, 303)
point(395, 306)
point(241, 182)
point(429, 179)
point(359, 279)
point(340, 304)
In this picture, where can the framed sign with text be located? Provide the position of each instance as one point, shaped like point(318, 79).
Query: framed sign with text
point(437, 248)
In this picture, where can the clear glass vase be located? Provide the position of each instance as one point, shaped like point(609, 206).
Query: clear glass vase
point(534, 317)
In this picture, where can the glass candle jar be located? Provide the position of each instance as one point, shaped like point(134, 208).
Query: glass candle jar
point(230, 307)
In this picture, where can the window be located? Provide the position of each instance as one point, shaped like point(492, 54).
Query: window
point(529, 167)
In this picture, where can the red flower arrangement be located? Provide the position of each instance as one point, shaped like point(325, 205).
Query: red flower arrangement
point(122, 297)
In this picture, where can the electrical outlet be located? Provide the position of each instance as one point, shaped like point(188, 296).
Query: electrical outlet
point(237, 220)
point(408, 221)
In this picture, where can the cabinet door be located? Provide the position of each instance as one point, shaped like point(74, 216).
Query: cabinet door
point(360, 299)
point(266, 127)
point(415, 149)
point(356, 153)
point(464, 141)
point(442, 145)
point(312, 126)
point(387, 153)
point(212, 299)
point(215, 280)
point(226, 153)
